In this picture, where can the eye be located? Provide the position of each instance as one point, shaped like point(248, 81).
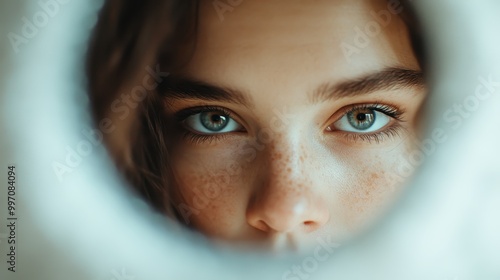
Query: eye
point(362, 120)
point(211, 122)
point(365, 119)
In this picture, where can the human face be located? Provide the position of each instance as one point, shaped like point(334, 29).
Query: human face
point(279, 134)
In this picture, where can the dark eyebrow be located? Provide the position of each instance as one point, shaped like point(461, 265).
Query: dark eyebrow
point(387, 79)
point(176, 87)
point(186, 88)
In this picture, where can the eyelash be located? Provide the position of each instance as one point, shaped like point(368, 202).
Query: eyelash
point(392, 131)
point(377, 137)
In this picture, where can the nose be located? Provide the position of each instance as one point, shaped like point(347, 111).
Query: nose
point(286, 200)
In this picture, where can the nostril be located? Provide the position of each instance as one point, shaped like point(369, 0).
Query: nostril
point(310, 226)
point(308, 223)
point(262, 226)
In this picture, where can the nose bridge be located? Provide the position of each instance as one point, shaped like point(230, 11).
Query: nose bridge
point(286, 197)
point(286, 159)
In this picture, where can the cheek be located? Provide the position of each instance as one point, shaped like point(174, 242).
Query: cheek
point(377, 185)
point(212, 193)
point(369, 193)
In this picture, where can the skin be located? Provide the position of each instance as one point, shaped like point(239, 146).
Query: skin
point(283, 182)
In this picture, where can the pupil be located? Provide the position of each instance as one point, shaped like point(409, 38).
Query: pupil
point(216, 118)
point(361, 117)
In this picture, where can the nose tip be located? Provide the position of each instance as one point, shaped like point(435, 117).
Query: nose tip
point(295, 215)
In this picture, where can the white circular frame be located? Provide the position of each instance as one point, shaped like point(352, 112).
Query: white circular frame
point(446, 226)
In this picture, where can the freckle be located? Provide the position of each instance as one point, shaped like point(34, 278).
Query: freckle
point(289, 170)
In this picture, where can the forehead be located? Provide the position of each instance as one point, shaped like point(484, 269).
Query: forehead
point(296, 40)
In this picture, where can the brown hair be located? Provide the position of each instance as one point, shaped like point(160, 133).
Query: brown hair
point(130, 40)
point(129, 37)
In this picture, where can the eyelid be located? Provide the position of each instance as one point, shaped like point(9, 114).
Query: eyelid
point(185, 113)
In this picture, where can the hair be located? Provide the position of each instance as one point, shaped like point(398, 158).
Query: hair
point(129, 37)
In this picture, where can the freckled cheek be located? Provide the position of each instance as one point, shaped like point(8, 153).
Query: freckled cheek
point(215, 189)
point(373, 190)
point(368, 192)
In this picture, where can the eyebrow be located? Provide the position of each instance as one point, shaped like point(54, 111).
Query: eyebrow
point(185, 88)
point(387, 79)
